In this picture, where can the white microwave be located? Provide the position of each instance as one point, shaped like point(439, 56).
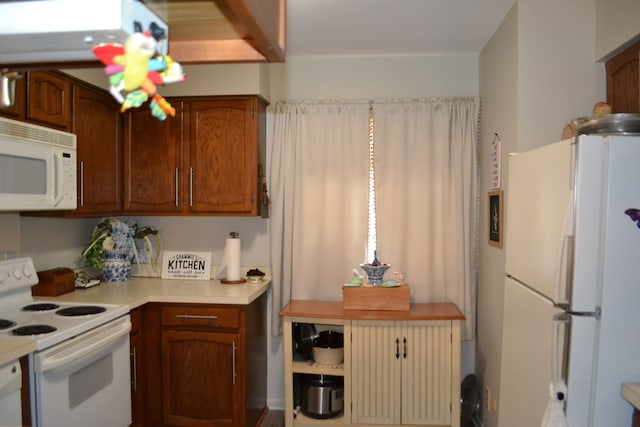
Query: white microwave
point(37, 167)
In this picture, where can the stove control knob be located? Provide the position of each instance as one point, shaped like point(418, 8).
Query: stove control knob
point(26, 270)
point(1, 276)
point(17, 273)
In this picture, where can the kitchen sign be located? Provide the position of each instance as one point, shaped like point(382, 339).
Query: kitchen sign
point(186, 265)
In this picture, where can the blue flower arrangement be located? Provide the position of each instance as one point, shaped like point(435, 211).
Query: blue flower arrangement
point(140, 244)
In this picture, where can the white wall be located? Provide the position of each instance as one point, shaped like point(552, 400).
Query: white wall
point(558, 79)
point(536, 74)
point(617, 26)
point(212, 79)
point(498, 89)
point(370, 77)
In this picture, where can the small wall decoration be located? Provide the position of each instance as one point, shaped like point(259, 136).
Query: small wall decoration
point(495, 218)
point(186, 265)
point(495, 162)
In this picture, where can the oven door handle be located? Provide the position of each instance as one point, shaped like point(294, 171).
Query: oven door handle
point(99, 340)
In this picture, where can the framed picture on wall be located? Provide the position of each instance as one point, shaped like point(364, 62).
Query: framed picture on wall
point(495, 218)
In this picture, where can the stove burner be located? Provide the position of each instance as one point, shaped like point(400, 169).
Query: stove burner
point(4, 323)
point(43, 306)
point(82, 310)
point(33, 330)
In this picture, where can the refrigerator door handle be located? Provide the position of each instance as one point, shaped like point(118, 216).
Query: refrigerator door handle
point(564, 268)
point(560, 348)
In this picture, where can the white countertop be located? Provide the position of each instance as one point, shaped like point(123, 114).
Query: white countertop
point(631, 393)
point(138, 291)
point(14, 348)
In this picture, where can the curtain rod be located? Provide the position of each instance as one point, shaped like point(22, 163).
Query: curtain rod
point(377, 101)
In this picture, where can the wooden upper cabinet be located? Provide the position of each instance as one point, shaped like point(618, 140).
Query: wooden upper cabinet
point(97, 122)
point(205, 161)
point(223, 155)
point(623, 81)
point(18, 109)
point(153, 172)
point(50, 99)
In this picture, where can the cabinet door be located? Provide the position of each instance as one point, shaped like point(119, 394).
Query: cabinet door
point(426, 372)
point(97, 122)
point(18, 110)
point(49, 100)
point(623, 81)
point(401, 372)
point(152, 165)
point(223, 156)
point(200, 386)
point(375, 372)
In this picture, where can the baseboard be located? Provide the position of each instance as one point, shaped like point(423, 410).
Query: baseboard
point(276, 404)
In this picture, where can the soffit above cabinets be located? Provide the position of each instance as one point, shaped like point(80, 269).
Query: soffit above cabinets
point(219, 31)
point(199, 31)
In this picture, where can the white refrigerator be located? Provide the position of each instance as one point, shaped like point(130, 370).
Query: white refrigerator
point(572, 285)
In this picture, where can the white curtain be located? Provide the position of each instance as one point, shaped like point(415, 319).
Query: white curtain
point(426, 190)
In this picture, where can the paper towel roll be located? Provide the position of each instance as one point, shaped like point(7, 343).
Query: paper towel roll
point(231, 260)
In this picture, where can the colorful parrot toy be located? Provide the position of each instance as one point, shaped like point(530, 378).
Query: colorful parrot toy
point(136, 70)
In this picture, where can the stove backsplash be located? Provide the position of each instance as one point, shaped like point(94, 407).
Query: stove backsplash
point(58, 242)
point(10, 236)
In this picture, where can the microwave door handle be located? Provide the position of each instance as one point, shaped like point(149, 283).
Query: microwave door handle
point(57, 168)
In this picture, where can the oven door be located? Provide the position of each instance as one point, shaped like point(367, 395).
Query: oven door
point(84, 381)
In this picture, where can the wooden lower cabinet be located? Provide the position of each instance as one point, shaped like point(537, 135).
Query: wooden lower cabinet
point(196, 365)
point(205, 365)
point(401, 368)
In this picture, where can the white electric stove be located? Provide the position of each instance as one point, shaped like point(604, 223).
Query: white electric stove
point(79, 374)
point(46, 322)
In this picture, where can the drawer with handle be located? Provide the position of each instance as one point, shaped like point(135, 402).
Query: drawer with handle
point(201, 315)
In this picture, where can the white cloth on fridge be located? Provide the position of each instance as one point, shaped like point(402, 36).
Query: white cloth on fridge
point(554, 413)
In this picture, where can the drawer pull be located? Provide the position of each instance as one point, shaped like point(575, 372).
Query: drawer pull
point(196, 316)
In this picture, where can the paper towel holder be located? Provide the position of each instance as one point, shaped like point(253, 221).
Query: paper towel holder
point(225, 281)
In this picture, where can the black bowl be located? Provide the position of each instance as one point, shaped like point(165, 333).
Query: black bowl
point(329, 339)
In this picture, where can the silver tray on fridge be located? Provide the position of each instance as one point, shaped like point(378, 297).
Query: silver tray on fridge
point(609, 124)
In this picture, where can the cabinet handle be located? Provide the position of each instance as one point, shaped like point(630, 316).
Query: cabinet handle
point(177, 190)
point(196, 316)
point(81, 183)
point(404, 341)
point(134, 357)
point(397, 348)
point(233, 362)
point(190, 186)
